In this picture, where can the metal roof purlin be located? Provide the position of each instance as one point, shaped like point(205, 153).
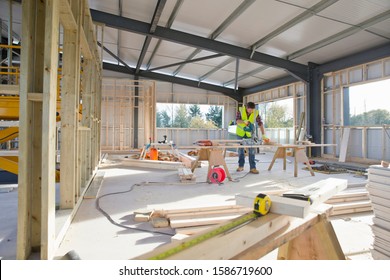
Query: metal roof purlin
point(148, 39)
point(236, 13)
point(116, 57)
point(168, 25)
point(185, 62)
point(329, 40)
point(343, 34)
point(301, 17)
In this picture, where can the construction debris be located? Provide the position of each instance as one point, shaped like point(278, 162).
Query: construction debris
point(327, 169)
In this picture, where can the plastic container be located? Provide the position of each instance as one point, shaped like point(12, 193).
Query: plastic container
point(153, 154)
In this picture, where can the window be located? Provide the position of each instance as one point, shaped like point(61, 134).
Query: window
point(277, 114)
point(368, 104)
point(189, 115)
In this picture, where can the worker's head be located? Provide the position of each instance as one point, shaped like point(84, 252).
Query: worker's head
point(250, 106)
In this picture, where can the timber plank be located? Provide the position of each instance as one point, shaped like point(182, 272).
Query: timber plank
point(279, 205)
point(344, 144)
point(177, 223)
point(163, 212)
point(94, 187)
point(199, 214)
point(215, 248)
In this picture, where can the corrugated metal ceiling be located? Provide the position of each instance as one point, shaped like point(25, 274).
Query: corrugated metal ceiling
point(246, 42)
point(302, 31)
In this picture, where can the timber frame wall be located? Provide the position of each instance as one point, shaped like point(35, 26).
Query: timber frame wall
point(367, 144)
point(128, 113)
point(80, 136)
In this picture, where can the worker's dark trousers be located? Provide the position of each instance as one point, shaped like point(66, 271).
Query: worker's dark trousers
point(251, 156)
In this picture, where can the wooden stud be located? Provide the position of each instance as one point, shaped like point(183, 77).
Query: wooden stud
point(49, 129)
point(69, 111)
point(29, 194)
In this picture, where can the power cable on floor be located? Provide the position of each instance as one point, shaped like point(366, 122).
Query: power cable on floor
point(111, 220)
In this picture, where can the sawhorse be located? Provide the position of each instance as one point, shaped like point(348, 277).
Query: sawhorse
point(299, 153)
point(215, 157)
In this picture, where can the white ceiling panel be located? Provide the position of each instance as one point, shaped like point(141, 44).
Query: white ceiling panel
point(174, 50)
point(257, 22)
point(196, 70)
point(243, 67)
point(250, 82)
point(352, 44)
point(222, 76)
point(129, 56)
point(159, 61)
point(110, 35)
point(141, 10)
point(301, 3)
point(271, 74)
point(382, 29)
point(214, 61)
point(111, 6)
point(304, 34)
point(134, 41)
point(202, 17)
point(355, 11)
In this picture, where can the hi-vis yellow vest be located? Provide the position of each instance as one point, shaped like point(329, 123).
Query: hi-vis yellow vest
point(252, 118)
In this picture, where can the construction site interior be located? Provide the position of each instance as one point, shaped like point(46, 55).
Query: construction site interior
point(89, 170)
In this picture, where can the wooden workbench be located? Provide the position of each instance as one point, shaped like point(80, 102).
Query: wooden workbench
point(215, 154)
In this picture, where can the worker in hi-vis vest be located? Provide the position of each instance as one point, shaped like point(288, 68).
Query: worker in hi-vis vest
point(246, 119)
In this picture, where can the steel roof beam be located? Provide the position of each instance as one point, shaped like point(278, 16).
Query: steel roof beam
point(176, 36)
point(153, 25)
point(169, 24)
point(172, 79)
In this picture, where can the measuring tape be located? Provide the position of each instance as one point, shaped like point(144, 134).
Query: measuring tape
point(262, 204)
point(261, 208)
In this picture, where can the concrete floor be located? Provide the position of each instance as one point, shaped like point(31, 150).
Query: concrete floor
point(92, 236)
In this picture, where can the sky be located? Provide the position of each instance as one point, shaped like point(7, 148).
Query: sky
point(372, 96)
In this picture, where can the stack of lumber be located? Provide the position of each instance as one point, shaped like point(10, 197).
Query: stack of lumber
point(186, 175)
point(350, 201)
point(190, 221)
point(379, 190)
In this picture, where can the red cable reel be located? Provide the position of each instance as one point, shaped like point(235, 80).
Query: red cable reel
point(217, 175)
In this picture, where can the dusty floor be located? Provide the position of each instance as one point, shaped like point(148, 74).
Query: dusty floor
point(126, 189)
